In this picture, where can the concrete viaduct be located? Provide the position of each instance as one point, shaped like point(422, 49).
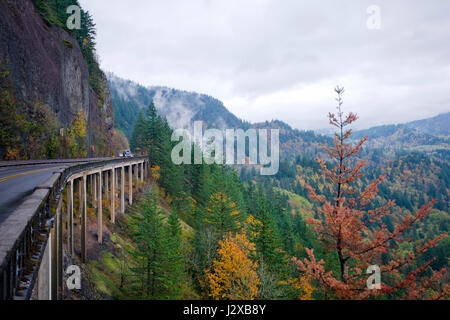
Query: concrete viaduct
point(44, 232)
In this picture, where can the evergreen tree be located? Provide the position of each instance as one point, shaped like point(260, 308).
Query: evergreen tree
point(150, 253)
point(139, 136)
point(158, 261)
point(222, 214)
point(176, 262)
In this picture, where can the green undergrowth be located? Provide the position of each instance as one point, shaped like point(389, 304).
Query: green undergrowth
point(298, 202)
point(111, 273)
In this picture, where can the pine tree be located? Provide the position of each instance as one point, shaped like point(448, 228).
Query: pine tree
point(202, 185)
point(176, 276)
point(139, 137)
point(264, 235)
point(158, 261)
point(222, 214)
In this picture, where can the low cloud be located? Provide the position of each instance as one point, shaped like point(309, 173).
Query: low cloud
point(269, 59)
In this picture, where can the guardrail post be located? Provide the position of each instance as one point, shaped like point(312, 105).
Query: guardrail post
point(113, 195)
point(100, 213)
point(83, 222)
point(130, 184)
point(122, 190)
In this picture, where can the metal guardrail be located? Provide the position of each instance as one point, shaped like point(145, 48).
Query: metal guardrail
point(55, 161)
point(25, 234)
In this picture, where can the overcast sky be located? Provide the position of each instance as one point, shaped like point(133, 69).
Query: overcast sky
point(281, 59)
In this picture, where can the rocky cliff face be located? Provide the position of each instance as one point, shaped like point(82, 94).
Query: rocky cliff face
point(47, 66)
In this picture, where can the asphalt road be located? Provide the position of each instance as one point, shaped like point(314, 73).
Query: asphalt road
point(18, 182)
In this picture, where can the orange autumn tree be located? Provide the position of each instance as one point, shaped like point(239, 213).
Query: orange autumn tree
point(233, 275)
point(358, 236)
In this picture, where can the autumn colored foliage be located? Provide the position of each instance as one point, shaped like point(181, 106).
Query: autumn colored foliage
point(155, 172)
point(358, 236)
point(233, 275)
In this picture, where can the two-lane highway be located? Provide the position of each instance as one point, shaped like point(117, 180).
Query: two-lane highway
point(18, 179)
point(17, 182)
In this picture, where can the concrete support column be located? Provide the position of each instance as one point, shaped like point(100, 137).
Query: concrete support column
point(130, 184)
point(59, 252)
point(136, 177)
point(89, 188)
point(142, 173)
point(95, 191)
point(70, 215)
point(144, 168)
point(107, 185)
point(122, 190)
point(117, 180)
point(56, 254)
point(44, 280)
point(113, 194)
point(83, 222)
point(53, 263)
point(80, 196)
point(80, 204)
point(100, 212)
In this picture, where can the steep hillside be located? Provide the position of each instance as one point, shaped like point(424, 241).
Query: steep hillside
point(46, 74)
point(402, 138)
point(294, 142)
point(438, 126)
point(180, 108)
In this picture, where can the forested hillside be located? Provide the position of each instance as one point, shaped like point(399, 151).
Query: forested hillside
point(392, 140)
point(437, 126)
point(180, 108)
point(233, 234)
point(232, 247)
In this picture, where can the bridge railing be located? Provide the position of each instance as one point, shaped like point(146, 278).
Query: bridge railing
point(24, 235)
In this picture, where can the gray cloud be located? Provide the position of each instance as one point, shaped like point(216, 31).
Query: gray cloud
point(270, 59)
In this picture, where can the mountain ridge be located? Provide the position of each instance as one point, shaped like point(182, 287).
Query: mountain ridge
point(178, 106)
point(181, 108)
point(438, 125)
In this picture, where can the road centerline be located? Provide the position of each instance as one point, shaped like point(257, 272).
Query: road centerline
point(27, 173)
